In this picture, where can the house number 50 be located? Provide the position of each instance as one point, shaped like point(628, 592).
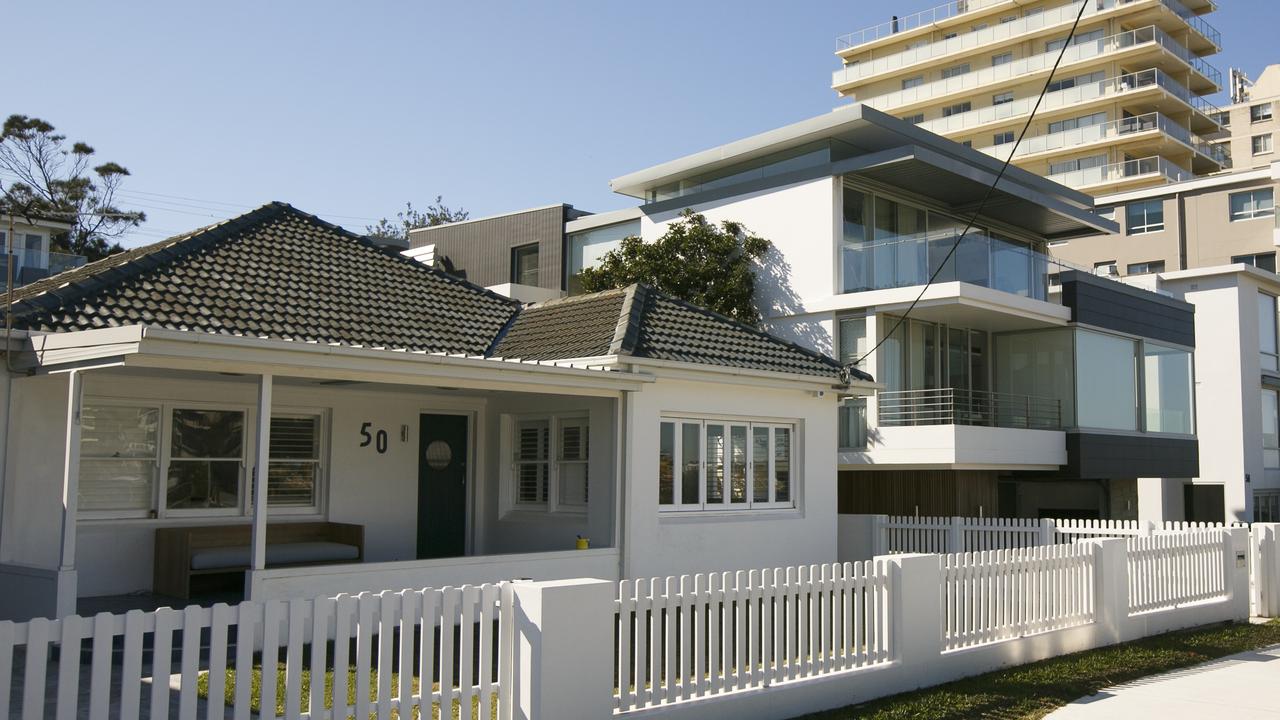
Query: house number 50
point(378, 439)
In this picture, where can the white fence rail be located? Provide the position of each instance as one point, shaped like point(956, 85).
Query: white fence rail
point(1173, 570)
point(445, 639)
point(1000, 594)
point(696, 636)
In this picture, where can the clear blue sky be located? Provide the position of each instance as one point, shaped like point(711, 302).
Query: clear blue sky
point(348, 109)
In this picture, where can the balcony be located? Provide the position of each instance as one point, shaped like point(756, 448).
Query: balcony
point(1076, 139)
point(1020, 71)
point(1127, 171)
point(1063, 15)
point(979, 259)
point(32, 265)
point(1074, 98)
point(960, 406)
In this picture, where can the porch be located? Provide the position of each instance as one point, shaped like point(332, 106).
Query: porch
point(480, 472)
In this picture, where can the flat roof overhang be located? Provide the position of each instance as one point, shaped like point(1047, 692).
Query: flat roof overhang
point(872, 134)
point(963, 186)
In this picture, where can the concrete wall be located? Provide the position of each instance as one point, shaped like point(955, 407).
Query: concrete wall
point(665, 543)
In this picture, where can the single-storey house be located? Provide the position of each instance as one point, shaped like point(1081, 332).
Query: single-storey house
point(413, 429)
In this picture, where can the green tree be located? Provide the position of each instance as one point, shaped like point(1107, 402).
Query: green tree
point(696, 260)
point(411, 218)
point(57, 180)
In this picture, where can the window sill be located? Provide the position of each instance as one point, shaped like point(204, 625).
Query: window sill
point(193, 520)
point(684, 517)
point(525, 514)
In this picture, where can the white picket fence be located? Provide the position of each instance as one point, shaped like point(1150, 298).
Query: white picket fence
point(999, 594)
point(914, 534)
point(1177, 569)
point(687, 637)
point(445, 639)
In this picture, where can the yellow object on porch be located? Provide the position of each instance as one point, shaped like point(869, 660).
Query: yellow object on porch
point(583, 543)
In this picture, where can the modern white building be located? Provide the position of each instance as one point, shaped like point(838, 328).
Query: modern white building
point(1126, 107)
point(1249, 123)
point(26, 246)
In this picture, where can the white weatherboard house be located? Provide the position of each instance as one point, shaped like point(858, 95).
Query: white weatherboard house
point(414, 429)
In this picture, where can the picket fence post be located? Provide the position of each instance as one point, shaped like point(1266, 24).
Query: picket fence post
point(915, 613)
point(879, 535)
point(1048, 529)
point(1238, 571)
point(955, 535)
point(1266, 569)
point(1111, 589)
point(563, 670)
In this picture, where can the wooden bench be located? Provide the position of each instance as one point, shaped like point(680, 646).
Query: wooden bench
point(184, 552)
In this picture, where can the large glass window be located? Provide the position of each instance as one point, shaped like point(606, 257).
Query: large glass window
point(1039, 364)
point(1268, 352)
point(1144, 216)
point(1252, 204)
point(206, 457)
point(1270, 429)
point(1109, 397)
point(586, 248)
point(294, 470)
point(1168, 391)
point(853, 341)
point(1262, 261)
point(119, 455)
point(524, 265)
point(743, 464)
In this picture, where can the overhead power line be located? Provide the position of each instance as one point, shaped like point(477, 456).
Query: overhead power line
point(990, 189)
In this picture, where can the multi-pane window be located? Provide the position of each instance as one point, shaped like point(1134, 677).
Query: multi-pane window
point(1002, 98)
point(1071, 82)
point(1261, 144)
point(955, 71)
point(551, 463)
point(293, 472)
point(911, 82)
point(206, 456)
point(1144, 216)
point(915, 119)
point(1252, 204)
point(1077, 122)
point(1223, 118)
point(119, 457)
point(956, 109)
point(1001, 59)
point(1143, 268)
point(1266, 506)
point(725, 464)
point(1262, 261)
point(1002, 138)
point(1270, 429)
point(524, 265)
point(1260, 113)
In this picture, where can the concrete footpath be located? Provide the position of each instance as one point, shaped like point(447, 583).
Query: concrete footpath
point(1239, 687)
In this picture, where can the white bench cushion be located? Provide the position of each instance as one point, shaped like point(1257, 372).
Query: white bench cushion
point(279, 554)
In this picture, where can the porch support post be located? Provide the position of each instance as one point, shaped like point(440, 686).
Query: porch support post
point(71, 471)
point(262, 456)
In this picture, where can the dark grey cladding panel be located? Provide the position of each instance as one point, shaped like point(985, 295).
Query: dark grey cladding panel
point(482, 248)
point(1109, 304)
point(1099, 455)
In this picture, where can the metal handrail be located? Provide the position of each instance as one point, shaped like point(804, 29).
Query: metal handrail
point(961, 406)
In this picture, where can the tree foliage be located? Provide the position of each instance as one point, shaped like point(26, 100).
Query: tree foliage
point(47, 177)
point(411, 218)
point(696, 260)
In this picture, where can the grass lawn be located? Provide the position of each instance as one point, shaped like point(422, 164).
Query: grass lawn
point(1034, 690)
point(255, 693)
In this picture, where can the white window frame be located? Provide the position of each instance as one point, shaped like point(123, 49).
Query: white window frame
point(1146, 226)
point(164, 455)
point(1003, 58)
point(1002, 98)
point(1266, 141)
point(1260, 112)
point(510, 478)
point(912, 82)
point(751, 503)
point(321, 461)
point(1255, 212)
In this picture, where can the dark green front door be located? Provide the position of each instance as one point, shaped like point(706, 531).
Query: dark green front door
point(442, 486)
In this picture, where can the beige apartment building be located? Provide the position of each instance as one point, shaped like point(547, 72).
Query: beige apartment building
point(1125, 110)
point(1249, 124)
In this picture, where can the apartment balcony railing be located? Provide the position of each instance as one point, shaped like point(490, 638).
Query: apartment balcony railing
point(32, 265)
point(1017, 70)
point(1122, 171)
point(959, 406)
point(979, 259)
point(1105, 89)
point(1002, 31)
point(1101, 132)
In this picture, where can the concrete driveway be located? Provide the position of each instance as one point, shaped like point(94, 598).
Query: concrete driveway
point(1240, 687)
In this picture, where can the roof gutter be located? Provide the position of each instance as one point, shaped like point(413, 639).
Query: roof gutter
point(719, 373)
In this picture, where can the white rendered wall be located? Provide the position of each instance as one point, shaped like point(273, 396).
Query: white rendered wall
point(665, 543)
point(962, 446)
point(31, 528)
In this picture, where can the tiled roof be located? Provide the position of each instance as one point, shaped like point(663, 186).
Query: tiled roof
point(641, 322)
point(274, 272)
point(277, 272)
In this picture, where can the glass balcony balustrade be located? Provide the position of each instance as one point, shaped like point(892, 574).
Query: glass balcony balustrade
point(1105, 131)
